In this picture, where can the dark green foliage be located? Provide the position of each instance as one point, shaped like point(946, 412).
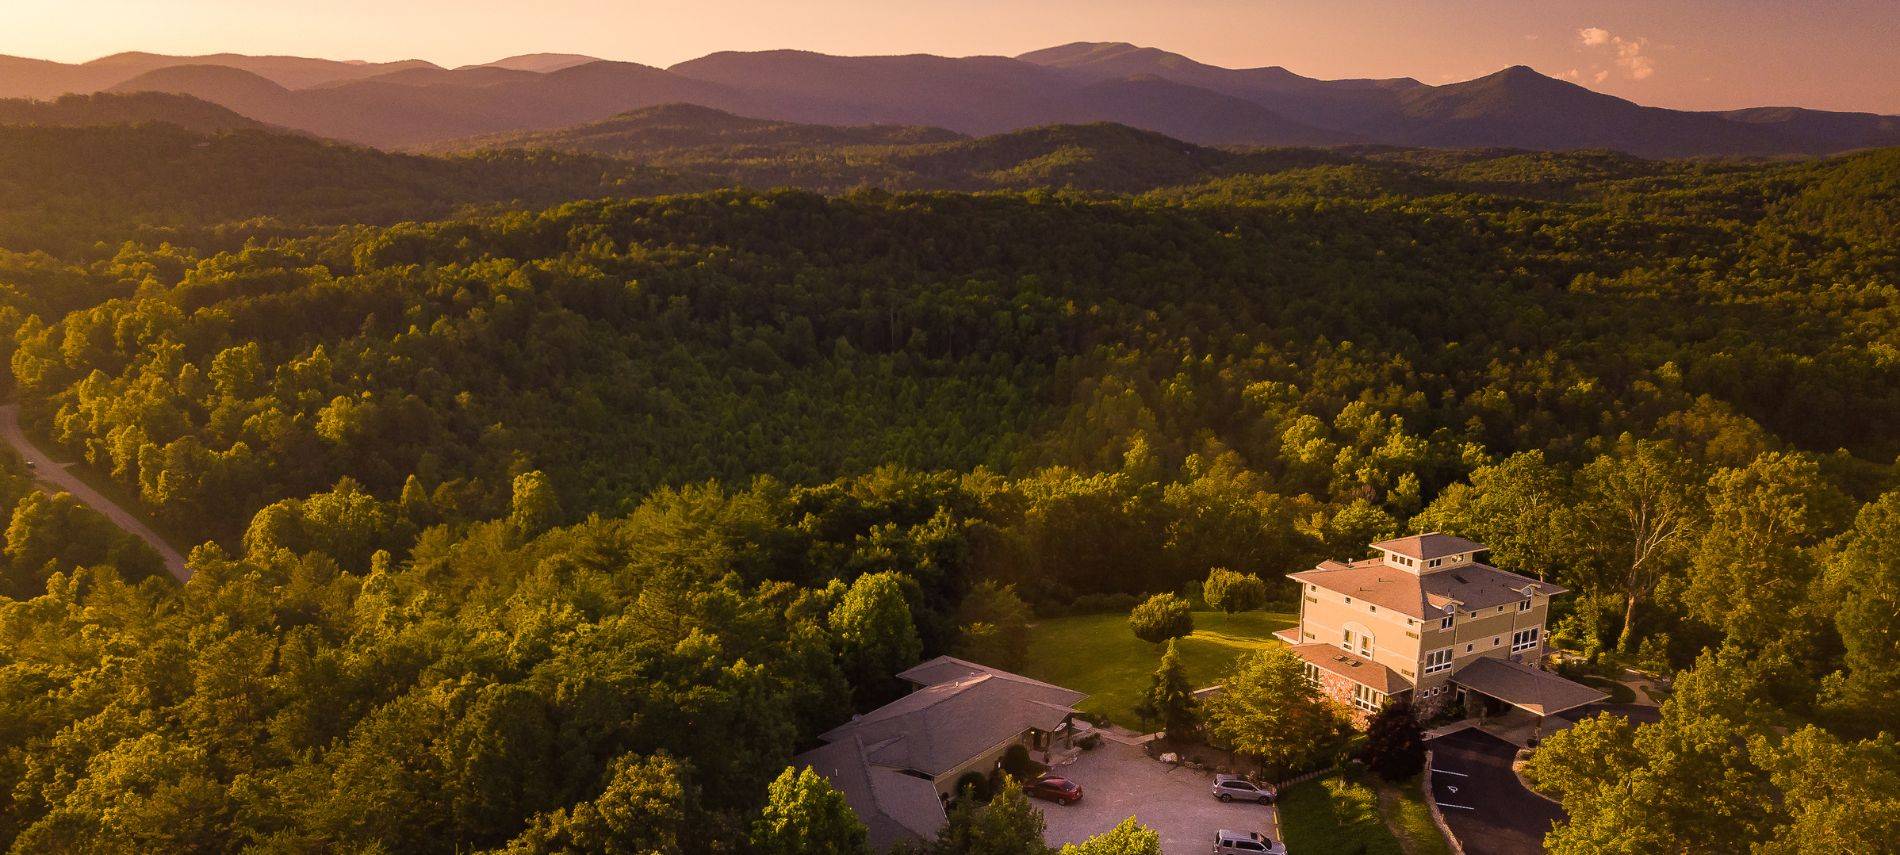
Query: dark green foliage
point(1170, 700)
point(1007, 825)
point(1160, 618)
point(474, 585)
point(803, 815)
point(1234, 592)
point(1395, 743)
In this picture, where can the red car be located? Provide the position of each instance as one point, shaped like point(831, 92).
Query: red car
point(1062, 791)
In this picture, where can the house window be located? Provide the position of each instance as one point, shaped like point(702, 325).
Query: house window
point(1438, 660)
point(1435, 562)
point(1312, 674)
point(1365, 644)
point(1524, 605)
point(1349, 601)
point(1470, 647)
point(1445, 622)
point(1524, 639)
point(1368, 699)
point(1345, 639)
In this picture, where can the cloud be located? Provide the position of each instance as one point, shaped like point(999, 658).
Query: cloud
point(1631, 54)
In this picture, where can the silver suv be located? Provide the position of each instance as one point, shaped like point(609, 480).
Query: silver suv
point(1230, 787)
point(1245, 843)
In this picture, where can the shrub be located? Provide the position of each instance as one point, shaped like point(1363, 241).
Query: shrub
point(1233, 592)
point(1162, 617)
point(974, 785)
point(1395, 744)
point(1017, 763)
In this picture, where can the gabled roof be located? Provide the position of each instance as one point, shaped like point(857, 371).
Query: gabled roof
point(893, 805)
point(1430, 545)
point(944, 669)
point(937, 728)
point(1353, 667)
point(1524, 687)
point(1424, 596)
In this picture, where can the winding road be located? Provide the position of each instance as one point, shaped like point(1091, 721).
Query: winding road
point(55, 475)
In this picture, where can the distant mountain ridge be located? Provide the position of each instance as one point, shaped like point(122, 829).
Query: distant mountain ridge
point(414, 104)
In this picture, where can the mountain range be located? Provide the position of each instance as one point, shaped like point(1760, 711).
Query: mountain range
point(415, 104)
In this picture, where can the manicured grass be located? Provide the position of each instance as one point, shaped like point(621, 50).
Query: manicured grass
point(1098, 654)
point(1407, 817)
point(1336, 814)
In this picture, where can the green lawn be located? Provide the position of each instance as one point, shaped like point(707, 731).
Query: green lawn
point(1099, 655)
point(1335, 814)
point(1407, 817)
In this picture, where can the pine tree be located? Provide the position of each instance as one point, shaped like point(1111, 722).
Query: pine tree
point(1170, 699)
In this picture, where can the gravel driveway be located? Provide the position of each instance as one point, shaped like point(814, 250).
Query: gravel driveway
point(1120, 781)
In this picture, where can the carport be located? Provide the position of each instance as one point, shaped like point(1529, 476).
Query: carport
point(1506, 685)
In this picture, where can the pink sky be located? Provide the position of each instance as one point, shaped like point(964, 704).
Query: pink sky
point(1695, 54)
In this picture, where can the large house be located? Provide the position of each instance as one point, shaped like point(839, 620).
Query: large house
point(1425, 619)
point(899, 764)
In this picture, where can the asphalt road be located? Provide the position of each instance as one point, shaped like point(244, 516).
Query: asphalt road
point(55, 475)
point(1483, 801)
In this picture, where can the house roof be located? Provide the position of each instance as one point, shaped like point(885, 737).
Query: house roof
point(944, 669)
point(1353, 667)
point(1524, 687)
point(1430, 545)
point(893, 805)
point(939, 727)
point(1423, 595)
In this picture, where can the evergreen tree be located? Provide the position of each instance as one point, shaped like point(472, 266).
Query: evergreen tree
point(1170, 698)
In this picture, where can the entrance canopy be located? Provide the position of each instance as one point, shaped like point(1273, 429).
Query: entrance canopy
point(1524, 687)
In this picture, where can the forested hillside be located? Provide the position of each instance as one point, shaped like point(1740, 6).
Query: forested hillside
point(542, 528)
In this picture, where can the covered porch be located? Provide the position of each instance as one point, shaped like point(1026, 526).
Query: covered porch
point(1521, 703)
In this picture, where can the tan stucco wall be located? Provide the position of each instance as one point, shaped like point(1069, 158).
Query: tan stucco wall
point(1401, 642)
point(1325, 614)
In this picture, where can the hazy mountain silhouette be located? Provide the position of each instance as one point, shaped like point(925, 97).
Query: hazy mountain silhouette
point(415, 103)
point(1188, 113)
point(655, 131)
point(541, 63)
point(183, 111)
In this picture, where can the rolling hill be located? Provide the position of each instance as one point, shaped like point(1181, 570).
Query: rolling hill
point(416, 104)
point(183, 111)
point(657, 132)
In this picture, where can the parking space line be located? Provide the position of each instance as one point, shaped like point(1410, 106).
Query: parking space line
point(1449, 772)
point(1460, 807)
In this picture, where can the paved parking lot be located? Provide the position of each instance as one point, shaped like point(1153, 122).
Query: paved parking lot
point(1483, 801)
point(1120, 781)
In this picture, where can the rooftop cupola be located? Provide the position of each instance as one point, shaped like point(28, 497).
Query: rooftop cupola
point(1428, 553)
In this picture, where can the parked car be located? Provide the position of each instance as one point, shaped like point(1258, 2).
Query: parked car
point(1230, 787)
point(1245, 843)
point(1062, 791)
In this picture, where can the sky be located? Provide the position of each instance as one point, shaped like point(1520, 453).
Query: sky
point(1687, 54)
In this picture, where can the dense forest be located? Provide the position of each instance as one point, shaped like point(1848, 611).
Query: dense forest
point(539, 520)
